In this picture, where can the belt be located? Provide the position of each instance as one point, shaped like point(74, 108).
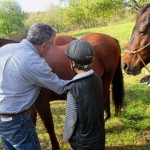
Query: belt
point(11, 115)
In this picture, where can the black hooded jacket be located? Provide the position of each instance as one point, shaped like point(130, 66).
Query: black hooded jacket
point(89, 133)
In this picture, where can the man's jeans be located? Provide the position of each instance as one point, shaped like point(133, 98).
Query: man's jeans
point(18, 133)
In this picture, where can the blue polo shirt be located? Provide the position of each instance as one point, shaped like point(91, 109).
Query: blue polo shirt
point(22, 74)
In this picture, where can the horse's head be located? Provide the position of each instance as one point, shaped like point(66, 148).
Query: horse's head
point(137, 54)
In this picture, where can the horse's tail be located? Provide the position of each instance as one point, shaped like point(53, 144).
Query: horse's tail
point(118, 87)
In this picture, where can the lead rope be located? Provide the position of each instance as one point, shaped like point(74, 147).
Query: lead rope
point(144, 63)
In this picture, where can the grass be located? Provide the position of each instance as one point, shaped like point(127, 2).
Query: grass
point(130, 131)
point(121, 31)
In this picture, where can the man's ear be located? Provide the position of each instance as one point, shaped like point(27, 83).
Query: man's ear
point(44, 45)
point(73, 64)
point(41, 49)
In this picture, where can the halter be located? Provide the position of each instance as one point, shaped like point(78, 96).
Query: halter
point(137, 52)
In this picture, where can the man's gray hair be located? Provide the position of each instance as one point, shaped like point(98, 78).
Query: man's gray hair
point(40, 33)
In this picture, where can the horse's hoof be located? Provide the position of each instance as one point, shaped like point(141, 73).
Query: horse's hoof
point(145, 80)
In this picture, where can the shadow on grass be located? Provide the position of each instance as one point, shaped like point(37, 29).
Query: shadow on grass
point(129, 147)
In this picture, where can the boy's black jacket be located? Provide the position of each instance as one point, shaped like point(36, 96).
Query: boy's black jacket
point(89, 133)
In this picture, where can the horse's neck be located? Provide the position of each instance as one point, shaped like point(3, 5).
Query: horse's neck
point(55, 52)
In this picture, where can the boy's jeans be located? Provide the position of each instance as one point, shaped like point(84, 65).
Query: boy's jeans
point(18, 133)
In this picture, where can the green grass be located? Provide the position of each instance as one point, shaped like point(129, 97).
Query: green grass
point(130, 131)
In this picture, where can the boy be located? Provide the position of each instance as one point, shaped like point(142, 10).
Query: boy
point(84, 124)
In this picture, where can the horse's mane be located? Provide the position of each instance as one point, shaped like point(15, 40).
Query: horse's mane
point(142, 11)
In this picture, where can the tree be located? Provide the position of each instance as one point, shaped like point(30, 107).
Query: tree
point(52, 16)
point(135, 4)
point(11, 19)
point(87, 13)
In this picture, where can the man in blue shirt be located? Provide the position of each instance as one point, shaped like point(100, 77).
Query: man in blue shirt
point(23, 72)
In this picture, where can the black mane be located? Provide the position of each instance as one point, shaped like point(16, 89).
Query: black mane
point(142, 11)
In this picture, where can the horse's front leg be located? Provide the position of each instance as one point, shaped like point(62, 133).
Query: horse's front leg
point(43, 109)
point(33, 114)
point(106, 95)
point(145, 80)
point(107, 106)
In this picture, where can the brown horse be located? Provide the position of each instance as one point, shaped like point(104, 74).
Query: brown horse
point(4, 41)
point(61, 39)
point(137, 54)
point(107, 65)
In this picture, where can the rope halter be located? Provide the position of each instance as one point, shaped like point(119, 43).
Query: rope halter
point(137, 52)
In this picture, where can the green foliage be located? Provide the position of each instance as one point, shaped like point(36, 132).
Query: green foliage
point(33, 18)
point(11, 18)
point(87, 13)
point(134, 5)
point(53, 16)
point(75, 14)
point(84, 14)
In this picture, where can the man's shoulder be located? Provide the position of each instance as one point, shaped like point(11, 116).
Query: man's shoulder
point(24, 53)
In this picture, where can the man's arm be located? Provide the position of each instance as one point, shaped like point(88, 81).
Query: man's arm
point(38, 72)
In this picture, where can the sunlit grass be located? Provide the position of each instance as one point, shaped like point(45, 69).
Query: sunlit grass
point(120, 31)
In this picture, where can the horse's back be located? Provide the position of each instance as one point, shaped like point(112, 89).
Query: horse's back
point(99, 38)
point(4, 41)
point(61, 39)
point(107, 45)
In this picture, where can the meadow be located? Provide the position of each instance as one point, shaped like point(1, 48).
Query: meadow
point(129, 131)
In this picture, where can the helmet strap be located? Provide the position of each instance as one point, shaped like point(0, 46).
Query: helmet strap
point(73, 67)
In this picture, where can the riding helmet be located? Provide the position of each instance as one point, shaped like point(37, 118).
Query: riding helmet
point(81, 52)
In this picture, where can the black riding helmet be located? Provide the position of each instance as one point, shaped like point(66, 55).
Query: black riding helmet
point(81, 52)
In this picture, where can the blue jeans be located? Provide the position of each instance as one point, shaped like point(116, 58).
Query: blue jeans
point(18, 133)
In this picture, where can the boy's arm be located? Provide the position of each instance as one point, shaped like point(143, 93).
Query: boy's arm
point(71, 117)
